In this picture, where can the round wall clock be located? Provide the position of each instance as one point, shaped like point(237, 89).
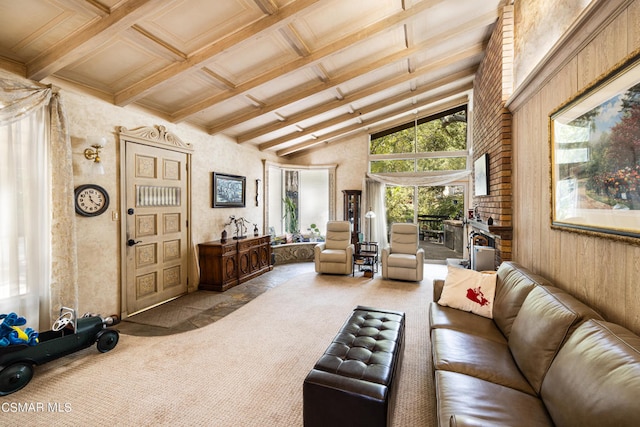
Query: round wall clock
point(91, 200)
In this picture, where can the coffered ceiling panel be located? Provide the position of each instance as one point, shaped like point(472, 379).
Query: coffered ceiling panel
point(189, 25)
point(36, 25)
point(283, 75)
point(114, 65)
point(192, 87)
point(366, 52)
point(334, 19)
point(252, 58)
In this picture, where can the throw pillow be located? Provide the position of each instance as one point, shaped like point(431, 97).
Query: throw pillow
point(469, 290)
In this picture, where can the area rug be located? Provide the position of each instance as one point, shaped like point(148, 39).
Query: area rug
point(246, 369)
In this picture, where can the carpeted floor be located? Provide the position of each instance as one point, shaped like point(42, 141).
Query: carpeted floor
point(245, 369)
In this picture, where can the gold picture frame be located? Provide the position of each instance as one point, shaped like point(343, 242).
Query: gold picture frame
point(595, 157)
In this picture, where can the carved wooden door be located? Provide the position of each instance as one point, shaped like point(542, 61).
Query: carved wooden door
point(156, 225)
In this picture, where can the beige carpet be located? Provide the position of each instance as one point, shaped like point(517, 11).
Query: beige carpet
point(246, 369)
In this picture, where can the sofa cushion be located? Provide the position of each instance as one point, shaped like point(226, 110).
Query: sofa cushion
point(451, 318)
point(497, 405)
point(338, 235)
point(595, 378)
point(513, 284)
point(404, 238)
point(546, 319)
point(402, 260)
point(478, 357)
point(333, 255)
point(469, 290)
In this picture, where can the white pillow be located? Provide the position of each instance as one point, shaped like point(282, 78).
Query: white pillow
point(469, 290)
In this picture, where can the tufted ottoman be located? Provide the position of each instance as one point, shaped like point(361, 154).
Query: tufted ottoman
point(354, 382)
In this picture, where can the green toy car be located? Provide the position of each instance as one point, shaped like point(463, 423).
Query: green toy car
point(67, 335)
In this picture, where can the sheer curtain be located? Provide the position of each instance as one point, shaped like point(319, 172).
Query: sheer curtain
point(375, 192)
point(37, 237)
point(374, 200)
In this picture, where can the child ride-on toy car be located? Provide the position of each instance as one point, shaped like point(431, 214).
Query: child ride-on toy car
point(67, 335)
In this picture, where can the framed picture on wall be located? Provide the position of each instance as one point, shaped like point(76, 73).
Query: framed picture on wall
point(229, 191)
point(595, 167)
point(481, 175)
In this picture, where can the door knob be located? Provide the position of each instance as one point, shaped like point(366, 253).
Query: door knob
point(132, 242)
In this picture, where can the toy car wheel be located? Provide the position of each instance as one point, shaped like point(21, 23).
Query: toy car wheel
point(107, 340)
point(14, 377)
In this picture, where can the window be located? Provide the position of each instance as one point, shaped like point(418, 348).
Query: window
point(298, 197)
point(433, 146)
point(434, 143)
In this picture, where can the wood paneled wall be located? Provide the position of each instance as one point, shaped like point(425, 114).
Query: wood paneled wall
point(602, 272)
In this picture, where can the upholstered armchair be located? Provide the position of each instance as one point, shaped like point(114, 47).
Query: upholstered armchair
point(335, 254)
point(403, 259)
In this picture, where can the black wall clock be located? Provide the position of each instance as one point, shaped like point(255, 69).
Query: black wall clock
point(91, 200)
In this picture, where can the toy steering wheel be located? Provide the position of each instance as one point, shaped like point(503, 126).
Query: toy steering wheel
point(61, 322)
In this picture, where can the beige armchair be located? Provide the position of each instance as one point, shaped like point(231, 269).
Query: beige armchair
point(403, 259)
point(335, 254)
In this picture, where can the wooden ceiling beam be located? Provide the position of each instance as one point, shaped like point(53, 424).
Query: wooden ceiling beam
point(465, 86)
point(367, 124)
point(266, 6)
point(295, 41)
point(94, 34)
point(332, 48)
point(406, 53)
point(450, 79)
point(167, 74)
point(363, 93)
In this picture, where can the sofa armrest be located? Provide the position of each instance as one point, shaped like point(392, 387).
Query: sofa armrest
point(351, 249)
point(384, 257)
point(317, 250)
point(438, 284)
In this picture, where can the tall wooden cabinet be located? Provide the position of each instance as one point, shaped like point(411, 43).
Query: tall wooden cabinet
point(227, 264)
point(352, 211)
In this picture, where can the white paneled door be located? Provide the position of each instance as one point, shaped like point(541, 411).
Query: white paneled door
point(156, 241)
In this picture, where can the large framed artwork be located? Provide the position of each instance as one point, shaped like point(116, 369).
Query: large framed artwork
point(595, 157)
point(481, 175)
point(229, 191)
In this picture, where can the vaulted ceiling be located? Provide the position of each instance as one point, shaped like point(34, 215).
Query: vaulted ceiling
point(284, 75)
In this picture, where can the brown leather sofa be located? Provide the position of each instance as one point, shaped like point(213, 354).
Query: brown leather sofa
point(544, 359)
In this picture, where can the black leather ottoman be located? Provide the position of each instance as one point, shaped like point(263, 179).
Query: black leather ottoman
point(354, 382)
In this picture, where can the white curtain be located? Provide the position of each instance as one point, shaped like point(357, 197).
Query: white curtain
point(420, 178)
point(37, 236)
point(375, 192)
point(375, 201)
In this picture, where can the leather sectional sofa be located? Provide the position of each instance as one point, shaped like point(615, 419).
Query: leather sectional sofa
point(544, 359)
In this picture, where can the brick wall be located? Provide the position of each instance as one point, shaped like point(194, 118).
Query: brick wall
point(491, 131)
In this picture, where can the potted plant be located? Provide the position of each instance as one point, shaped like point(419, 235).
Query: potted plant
point(315, 232)
point(290, 216)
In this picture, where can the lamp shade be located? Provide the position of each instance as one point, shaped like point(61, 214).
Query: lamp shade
point(98, 140)
point(97, 168)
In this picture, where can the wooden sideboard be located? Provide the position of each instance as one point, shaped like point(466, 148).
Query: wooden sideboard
point(227, 264)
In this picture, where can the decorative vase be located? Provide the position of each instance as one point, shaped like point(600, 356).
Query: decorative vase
point(255, 230)
point(223, 238)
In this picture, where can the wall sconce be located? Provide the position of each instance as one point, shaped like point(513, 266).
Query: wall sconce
point(98, 143)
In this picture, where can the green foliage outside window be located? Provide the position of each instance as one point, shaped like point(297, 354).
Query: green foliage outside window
point(442, 164)
point(443, 133)
point(381, 166)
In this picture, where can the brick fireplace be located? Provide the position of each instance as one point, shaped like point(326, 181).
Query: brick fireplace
point(491, 133)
